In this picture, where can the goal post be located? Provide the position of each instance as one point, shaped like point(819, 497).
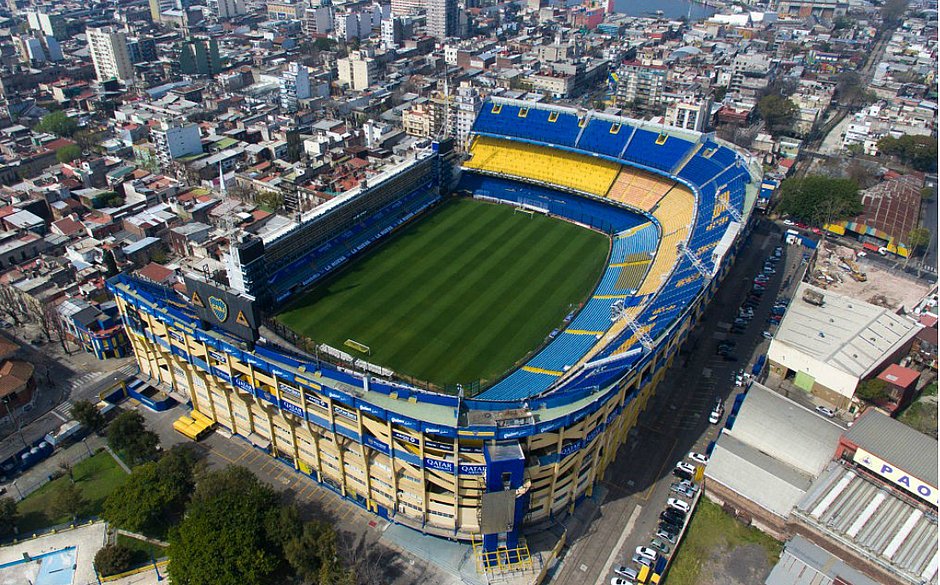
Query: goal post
point(360, 347)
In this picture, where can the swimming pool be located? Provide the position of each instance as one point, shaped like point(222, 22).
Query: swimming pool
point(57, 568)
point(54, 568)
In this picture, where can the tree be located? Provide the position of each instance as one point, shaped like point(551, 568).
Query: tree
point(7, 516)
point(223, 539)
point(86, 140)
point(154, 495)
point(131, 438)
point(110, 264)
point(313, 555)
point(47, 315)
point(68, 153)
point(11, 304)
point(920, 152)
point(891, 13)
point(777, 112)
point(87, 413)
point(113, 559)
point(58, 123)
point(819, 199)
point(68, 501)
point(873, 390)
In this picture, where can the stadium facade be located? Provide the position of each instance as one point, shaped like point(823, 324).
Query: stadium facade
point(676, 205)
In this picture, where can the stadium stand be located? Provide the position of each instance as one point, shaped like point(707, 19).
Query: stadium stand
point(647, 272)
point(659, 151)
point(638, 189)
point(530, 123)
point(604, 137)
point(543, 164)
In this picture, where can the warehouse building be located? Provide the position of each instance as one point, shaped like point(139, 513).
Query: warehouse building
point(765, 463)
point(827, 343)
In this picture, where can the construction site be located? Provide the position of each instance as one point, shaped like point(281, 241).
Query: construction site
point(858, 275)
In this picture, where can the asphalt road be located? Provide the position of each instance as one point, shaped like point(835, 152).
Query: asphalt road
point(676, 420)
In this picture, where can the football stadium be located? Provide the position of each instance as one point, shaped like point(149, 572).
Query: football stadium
point(471, 339)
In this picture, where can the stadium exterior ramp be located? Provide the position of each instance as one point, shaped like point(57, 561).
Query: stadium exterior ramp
point(546, 432)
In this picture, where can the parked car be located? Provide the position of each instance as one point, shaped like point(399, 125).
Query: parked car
point(641, 560)
point(674, 520)
point(678, 505)
point(825, 411)
point(619, 581)
point(681, 490)
point(714, 418)
point(767, 335)
point(788, 222)
point(660, 546)
point(625, 571)
point(690, 485)
point(698, 458)
point(666, 535)
point(646, 552)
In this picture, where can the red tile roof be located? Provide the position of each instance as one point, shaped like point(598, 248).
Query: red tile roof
point(156, 272)
point(899, 375)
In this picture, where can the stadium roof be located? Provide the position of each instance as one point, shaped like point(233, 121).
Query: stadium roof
point(804, 563)
point(896, 443)
point(844, 333)
point(757, 476)
point(784, 430)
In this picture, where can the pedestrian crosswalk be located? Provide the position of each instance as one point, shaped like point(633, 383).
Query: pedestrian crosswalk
point(84, 379)
point(63, 411)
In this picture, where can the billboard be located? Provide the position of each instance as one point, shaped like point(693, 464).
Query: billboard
point(223, 308)
point(896, 476)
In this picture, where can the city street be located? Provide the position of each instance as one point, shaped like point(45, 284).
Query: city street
point(676, 420)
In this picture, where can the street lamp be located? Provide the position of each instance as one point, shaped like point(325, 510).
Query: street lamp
point(18, 492)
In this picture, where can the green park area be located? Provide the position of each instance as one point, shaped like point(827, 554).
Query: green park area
point(65, 498)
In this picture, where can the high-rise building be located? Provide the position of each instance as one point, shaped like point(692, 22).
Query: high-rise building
point(200, 57)
point(318, 18)
point(172, 140)
point(157, 7)
point(357, 71)
point(109, 54)
point(443, 18)
point(641, 86)
point(689, 112)
point(225, 9)
point(395, 30)
point(466, 106)
point(295, 86)
point(142, 50)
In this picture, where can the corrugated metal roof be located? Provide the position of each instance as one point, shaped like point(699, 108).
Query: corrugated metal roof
point(757, 476)
point(786, 431)
point(896, 443)
point(864, 514)
point(804, 563)
point(844, 333)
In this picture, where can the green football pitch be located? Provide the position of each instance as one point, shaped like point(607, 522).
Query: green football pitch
point(457, 296)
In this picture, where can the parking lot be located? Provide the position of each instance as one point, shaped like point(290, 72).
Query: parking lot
point(637, 485)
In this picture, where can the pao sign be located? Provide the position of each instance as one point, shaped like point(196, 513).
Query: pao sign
point(896, 476)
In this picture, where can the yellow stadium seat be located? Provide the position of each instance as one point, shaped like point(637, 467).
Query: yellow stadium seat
point(639, 189)
point(539, 163)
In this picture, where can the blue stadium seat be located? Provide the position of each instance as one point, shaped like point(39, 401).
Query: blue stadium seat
point(564, 351)
point(537, 124)
point(650, 149)
point(597, 137)
point(518, 385)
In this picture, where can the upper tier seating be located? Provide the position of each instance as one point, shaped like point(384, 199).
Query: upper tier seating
point(658, 151)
